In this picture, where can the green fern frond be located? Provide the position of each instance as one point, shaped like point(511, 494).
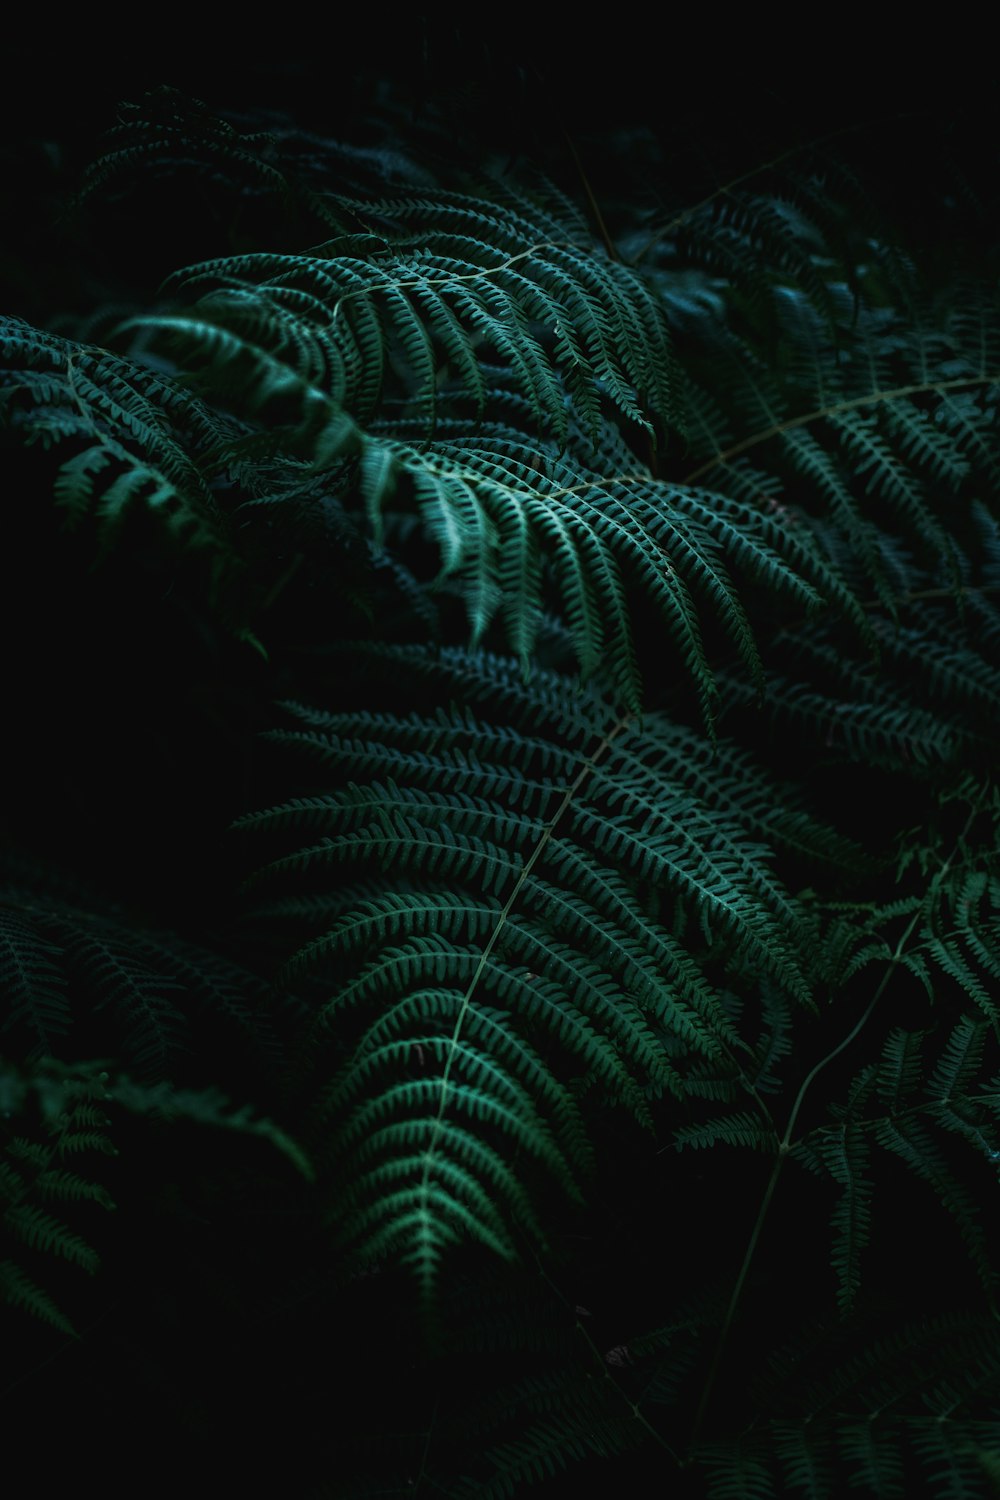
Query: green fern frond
point(66, 966)
point(135, 443)
point(40, 1231)
point(292, 336)
point(209, 1107)
point(914, 1411)
point(952, 1098)
point(847, 1159)
point(523, 909)
point(72, 1102)
point(18, 1290)
point(692, 844)
point(872, 1452)
point(31, 1175)
point(741, 1129)
point(32, 982)
point(165, 130)
point(485, 271)
point(739, 1472)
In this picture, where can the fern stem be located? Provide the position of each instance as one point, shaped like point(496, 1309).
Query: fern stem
point(921, 388)
point(602, 227)
point(595, 209)
point(394, 283)
point(283, 580)
point(422, 1473)
point(962, 591)
point(784, 1146)
point(720, 1347)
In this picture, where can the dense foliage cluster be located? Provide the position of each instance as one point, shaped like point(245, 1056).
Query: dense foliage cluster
point(501, 887)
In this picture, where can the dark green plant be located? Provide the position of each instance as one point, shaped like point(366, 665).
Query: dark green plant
point(613, 907)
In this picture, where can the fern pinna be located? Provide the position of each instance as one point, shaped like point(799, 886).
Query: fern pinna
point(582, 578)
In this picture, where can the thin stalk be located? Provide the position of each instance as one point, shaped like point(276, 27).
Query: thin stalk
point(786, 1142)
point(634, 1406)
point(595, 207)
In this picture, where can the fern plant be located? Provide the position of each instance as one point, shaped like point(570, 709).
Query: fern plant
point(608, 919)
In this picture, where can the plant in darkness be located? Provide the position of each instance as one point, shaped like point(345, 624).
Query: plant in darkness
point(500, 890)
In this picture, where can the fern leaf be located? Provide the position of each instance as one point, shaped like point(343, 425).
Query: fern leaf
point(42, 1232)
point(912, 1143)
point(847, 1157)
point(33, 983)
point(18, 1290)
point(741, 1129)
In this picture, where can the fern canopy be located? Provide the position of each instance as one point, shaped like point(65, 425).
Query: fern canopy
point(554, 972)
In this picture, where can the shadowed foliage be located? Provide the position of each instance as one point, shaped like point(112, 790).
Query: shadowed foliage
point(500, 889)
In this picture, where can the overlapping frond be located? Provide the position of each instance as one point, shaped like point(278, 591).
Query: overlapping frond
point(137, 434)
